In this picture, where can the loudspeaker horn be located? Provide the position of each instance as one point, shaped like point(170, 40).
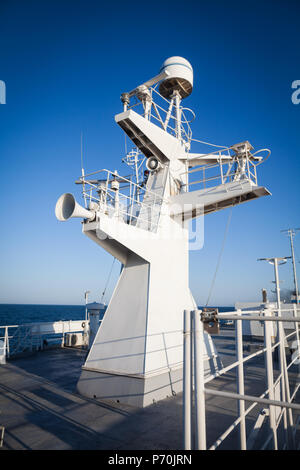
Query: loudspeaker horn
point(67, 207)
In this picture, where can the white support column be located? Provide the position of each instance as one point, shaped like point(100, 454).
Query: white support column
point(240, 381)
point(200, 438)
point(284, 381)
point(297, 336)
point(270, 376)
point(187, 382)
point(178, 115)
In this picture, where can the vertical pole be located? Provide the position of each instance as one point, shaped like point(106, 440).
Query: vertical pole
point(187, 386)
point(221, 168)
point(200, 438)
point(270, 377)
point(291, 234)
point(240, 380)
point(281, 345)
point(169, 113)
point(41, 337)
point(297, 331)
point(178, 115)
point(283, 365)
point(192, 359)
point(5, 344)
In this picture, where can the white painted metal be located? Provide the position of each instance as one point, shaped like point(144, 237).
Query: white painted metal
point(200, 435)
point(180, 77)
point(240, 382)
point(2, 351)
point(66, 207)
point(94, 319)
point(73, 339)
point(270, 379)
point(291, 233)
point(285, 390)
point(139, 344)
point(27, 337)
point(277, 402)
point(187, 381)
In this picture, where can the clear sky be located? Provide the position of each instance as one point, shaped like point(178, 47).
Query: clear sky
point(65, 64)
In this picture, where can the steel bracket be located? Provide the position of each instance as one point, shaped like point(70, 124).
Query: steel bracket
point(210, 322)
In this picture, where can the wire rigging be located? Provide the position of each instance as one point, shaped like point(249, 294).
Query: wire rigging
point(220, 256)
point(212, 145)
point(103, 293)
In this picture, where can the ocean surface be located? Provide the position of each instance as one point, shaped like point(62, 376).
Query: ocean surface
point(18, 314)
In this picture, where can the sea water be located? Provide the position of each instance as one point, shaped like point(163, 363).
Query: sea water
point(19, 314)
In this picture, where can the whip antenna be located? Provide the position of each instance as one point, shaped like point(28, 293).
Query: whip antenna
point(82, 169)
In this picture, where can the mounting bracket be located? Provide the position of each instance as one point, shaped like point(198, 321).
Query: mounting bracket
point(210, 322)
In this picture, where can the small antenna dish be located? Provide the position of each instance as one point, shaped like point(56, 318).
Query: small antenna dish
point(180, 77)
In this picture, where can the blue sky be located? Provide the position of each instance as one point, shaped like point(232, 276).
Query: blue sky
point(65, 64)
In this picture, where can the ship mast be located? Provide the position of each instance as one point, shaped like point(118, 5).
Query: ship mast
point(291, 233)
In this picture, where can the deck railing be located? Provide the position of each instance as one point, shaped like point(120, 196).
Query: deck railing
point(229, 168)
point(17, 339)
point(278, 412)
point(121, 197)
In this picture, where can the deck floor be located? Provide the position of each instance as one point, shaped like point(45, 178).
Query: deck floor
point(41, 410)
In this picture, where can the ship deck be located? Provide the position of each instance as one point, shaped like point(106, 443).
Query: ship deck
point(41, 410)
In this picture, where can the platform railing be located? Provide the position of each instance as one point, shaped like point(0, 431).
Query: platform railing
point(121, 197)
point(232, 168)
point(29, 337)
point(194, 372)
point(162, 112)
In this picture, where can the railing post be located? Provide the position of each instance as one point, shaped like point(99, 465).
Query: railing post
point(240, 380)
point(7, 343)
point(270, 376)
point(31, 339)
point(41, 338)
point(221, 168)
point(187, 382)
point(297, 336)
point(200, 438)
point(285, 392)
point(63, 335)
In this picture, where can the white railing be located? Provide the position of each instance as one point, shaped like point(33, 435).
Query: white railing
point(18, 339)
point(121, 197)
point(167, 114)
point(229, 169)
point(277, 411)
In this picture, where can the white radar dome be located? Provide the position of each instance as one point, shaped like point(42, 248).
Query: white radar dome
point(180, 77)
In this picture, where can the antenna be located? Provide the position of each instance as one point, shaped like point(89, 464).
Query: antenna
point(82, 169)
point(276, 262)
point(292, 233)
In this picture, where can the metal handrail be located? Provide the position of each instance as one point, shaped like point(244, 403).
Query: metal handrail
point(186, 132)
point(226, 171)
point(28, 341)
point(200, 390)
point(120, 203)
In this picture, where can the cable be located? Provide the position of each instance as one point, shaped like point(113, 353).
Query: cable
point(207, 143)
point(220, 256)
point(103, 293)
point(125, 143)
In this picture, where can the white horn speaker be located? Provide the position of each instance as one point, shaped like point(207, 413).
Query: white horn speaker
point(67, 207)
point(153, 164)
